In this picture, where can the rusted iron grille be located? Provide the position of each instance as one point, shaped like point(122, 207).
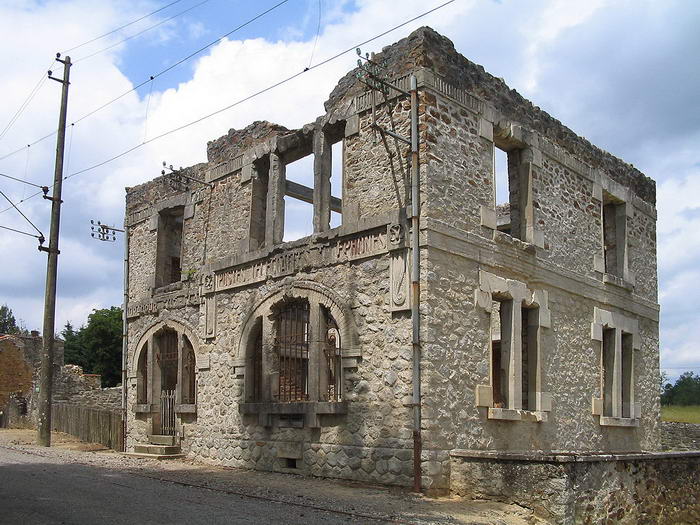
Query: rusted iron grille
point(292, 349)
point(168, 359)
point(331, 352)
point(167, 412)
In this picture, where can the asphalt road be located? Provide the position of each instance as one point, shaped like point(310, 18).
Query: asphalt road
point(42, 490)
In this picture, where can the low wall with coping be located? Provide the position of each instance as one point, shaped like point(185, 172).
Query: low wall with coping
point(644, 488)
point(680, 436)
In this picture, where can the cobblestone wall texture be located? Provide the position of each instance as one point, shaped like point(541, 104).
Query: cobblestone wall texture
point(626, 491)
point(680, 436)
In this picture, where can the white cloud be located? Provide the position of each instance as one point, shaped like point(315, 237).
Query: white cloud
point(600, 76)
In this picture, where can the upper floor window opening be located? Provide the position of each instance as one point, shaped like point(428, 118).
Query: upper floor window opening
point(614, 217)
point(169, 249)
point(298, 199)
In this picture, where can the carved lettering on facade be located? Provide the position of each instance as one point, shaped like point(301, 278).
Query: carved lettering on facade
point(290, 262)
point(155, 306)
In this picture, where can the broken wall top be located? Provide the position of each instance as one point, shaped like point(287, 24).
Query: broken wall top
point(425, 48)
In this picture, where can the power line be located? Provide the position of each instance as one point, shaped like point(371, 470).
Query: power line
point(22, 214)
point(41, 81)
point(245, 99)
point(20, 180)
point(141, 32)
point(121, 27)
point(19, 231)
point(24, 105)
point(151, 78)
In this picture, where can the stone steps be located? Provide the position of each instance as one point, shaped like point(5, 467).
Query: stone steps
point(157, 439)
point(160, 450)
point(153, 456)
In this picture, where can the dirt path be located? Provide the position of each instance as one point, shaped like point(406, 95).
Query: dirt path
point(354, 502)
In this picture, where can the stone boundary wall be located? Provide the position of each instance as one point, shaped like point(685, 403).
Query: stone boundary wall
point(680, 436)
point(658, 488)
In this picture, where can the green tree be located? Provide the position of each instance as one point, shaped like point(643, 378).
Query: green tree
point(73, 349)
point(101, 339)
point(97, 346)
point(8, 324)
point(685, 391)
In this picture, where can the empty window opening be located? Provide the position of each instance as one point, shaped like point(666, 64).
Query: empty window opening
point(614, 237)
point(169, 250)
point(608, 370)
point(499, 353)
point(627, 374)
point(530, 362)
point(337, 163)
point(255, 362)
point(187, 393)
point(331, 372)
point(290, 462)
point(503, 344)
point(142, 376)
point(500, 173)
point(506, 170)
point(298, 199)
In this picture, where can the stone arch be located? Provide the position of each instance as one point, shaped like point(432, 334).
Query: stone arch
point(313, 292)
point(157, 326)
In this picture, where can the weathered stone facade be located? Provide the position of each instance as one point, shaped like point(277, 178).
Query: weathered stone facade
point(539, 330)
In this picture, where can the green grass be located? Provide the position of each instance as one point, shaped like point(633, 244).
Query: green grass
point(683, 414)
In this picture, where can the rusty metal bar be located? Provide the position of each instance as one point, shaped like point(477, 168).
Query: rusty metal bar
point(415, 288)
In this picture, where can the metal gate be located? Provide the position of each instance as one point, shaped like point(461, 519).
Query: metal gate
point(167, 412)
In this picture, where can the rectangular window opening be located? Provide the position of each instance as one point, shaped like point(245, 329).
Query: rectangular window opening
point(506, 166)
point(337, 163)
point(608, 358)
point(500, 352)
point(298, 205)
point(290, 462)
point(614, 224)
point(530, 364)
point(169, 249)
point(627, 374)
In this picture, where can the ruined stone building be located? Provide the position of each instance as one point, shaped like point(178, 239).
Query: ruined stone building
point(538, 298)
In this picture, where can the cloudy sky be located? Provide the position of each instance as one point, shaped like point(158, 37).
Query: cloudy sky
point(621, 73)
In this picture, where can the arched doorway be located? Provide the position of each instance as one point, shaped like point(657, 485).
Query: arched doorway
point(166, 377)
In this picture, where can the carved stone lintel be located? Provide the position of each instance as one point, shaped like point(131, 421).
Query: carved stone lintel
point(399, 282)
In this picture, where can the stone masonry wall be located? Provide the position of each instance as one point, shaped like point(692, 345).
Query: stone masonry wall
point(657, 489)
point(680, 436)
point(372, 442)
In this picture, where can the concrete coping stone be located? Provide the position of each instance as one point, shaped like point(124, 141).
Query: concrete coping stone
point(571, 457)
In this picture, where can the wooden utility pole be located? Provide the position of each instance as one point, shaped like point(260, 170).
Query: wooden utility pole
point(46, 373)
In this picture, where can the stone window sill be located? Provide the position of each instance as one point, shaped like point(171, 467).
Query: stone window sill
point(172, 287)
point(186, 409)
point(509, 414)
point(606, 421)
point(616, 280)
point(142, 408)
point(301, 407)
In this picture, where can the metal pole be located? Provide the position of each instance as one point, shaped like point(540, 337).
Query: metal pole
point(46, 373)
point(415, 287)
point(125, 344)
